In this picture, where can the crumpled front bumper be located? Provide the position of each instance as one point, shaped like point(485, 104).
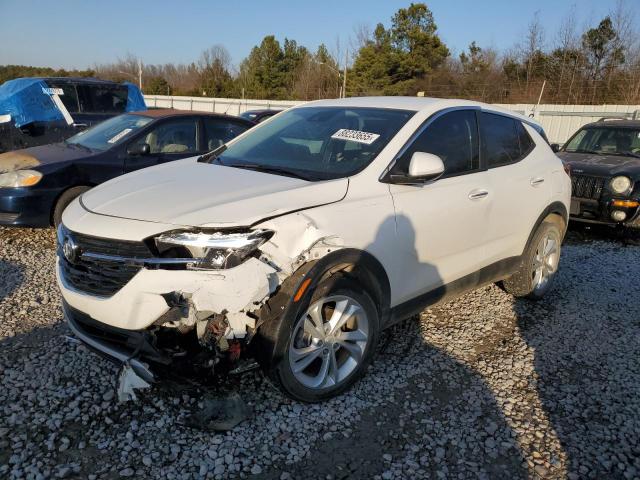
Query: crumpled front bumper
point(119, 346)
point(143, 300)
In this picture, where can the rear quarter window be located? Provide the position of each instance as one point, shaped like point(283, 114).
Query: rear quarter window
point(505, 140)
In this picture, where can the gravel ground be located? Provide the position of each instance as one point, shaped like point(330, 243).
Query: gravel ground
point(481, 387)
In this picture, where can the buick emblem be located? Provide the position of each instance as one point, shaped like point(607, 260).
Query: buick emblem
point(70, 250)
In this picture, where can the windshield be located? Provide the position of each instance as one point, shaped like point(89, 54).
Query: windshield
point(606, 141)
point(110, 132)
point(316, 143)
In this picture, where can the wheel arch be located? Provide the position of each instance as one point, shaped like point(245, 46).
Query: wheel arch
point(54, 204)
point(557, 213)
point(293, 294)
point(360, 265)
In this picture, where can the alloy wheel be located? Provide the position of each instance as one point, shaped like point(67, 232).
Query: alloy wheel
point(328, 342)
point(545, 261)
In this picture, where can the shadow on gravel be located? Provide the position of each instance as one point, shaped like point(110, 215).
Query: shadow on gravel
point(423, 413)
point(442, 422)
point(11, 277)
point(588, 372)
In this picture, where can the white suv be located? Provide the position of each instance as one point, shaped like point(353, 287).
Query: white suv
point(300, 240)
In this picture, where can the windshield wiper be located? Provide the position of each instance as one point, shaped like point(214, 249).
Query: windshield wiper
point(269, 169)
point(585, 151)
point(79, 145)
point(212, 155)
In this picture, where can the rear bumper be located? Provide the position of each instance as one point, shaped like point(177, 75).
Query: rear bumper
point(26, 207)
point(118, 345)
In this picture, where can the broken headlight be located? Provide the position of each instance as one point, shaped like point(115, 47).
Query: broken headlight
point(20, 178)
point(217, 250)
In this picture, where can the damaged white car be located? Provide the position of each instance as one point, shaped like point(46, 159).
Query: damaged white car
point(299, 241)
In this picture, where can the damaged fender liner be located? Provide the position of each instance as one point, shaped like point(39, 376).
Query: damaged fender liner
point(359, 264)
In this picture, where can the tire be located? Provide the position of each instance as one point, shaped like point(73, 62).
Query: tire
point(63, 202)
point(311, 363)
point(539, 264)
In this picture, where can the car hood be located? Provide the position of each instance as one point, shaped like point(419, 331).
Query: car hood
point(42, 155)
point(601, 164)
point(189, 193)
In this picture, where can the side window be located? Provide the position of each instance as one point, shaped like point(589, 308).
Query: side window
point(526, 142)
point(218, 132)
point(69, 95)
point(454, 138)
point(500, 139)
point(174, 136)
point(103, 98)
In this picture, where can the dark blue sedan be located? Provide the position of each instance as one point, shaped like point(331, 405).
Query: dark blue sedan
point(36, 184)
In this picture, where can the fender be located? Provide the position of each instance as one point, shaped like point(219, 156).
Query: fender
point(557, 208)
point(359, 264)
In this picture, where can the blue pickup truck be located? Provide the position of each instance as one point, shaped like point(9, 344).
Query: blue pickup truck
point(38, 111)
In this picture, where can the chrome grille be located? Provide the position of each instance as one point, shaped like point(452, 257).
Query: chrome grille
point(99, 276)
point(587, 186)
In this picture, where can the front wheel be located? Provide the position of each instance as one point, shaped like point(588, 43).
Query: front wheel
point(329, 345)
point(539, 264)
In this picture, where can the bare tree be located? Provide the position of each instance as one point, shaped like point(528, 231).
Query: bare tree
point(362, 34)
point(534, 43)
point(567, 42)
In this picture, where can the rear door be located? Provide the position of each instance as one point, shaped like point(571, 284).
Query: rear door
point(170, 139)
point(520, 180)
point(441, 225)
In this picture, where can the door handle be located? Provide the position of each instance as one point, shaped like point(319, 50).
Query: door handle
point(477, 194)
point(537, 181)
point(80, 125)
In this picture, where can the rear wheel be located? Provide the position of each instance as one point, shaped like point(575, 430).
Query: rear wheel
point(63, 202)
point(329, 345)
point(539, 264)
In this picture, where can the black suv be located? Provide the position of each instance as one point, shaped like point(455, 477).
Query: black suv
point(604, 158)
point(38, 111)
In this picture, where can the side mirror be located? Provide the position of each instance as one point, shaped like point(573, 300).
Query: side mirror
point(139, 149)
point(424, 167)
point(555, 147)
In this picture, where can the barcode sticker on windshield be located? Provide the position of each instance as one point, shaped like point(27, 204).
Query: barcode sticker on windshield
point(117, 137)
point(355, 136)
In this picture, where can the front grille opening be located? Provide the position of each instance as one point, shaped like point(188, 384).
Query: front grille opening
point(587, 186)
point(101, 277)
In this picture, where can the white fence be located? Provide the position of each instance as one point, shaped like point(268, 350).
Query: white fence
point(231, 106)
point(559, 121)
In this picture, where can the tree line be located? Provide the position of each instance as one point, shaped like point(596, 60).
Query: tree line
point(593, 64)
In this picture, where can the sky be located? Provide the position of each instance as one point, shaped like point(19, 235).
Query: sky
point(80, 34)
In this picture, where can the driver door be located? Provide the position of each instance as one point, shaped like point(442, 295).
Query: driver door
point(441, 225)
point(168, 140)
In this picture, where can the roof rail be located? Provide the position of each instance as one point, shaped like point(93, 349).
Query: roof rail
point(604, 119)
